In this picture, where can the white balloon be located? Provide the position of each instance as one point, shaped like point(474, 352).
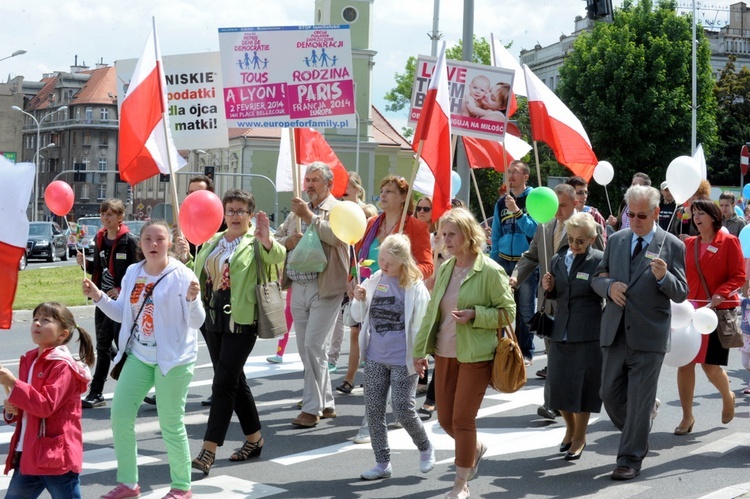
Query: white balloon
point(705, 320)
point(683, 178)
point(604, 172)
point(685, 343)
point(682, 314)
point(455, 183)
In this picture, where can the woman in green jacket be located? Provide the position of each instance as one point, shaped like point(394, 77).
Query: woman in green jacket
point(460, 331)
point(226, 269)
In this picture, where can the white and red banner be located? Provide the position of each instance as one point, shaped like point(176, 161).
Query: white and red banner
point(478, 96)
point(145, 144)
point(288, 76)
point(432, 137)
point(16, 183)
point(309, 146)
point(556, 125)
point(194, 98)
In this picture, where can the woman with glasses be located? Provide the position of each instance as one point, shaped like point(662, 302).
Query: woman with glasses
point(227, 272)
point(574, 357)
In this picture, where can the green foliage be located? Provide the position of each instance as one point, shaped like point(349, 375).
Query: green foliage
point(733, 96)
point(629, 82)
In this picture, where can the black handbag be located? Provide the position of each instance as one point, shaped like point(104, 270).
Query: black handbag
point(117, 369)
point(541, 324)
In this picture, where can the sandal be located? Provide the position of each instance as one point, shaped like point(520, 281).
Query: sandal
point(248, 450)
point(424, 411)
point(204, 461)
point(345, 387)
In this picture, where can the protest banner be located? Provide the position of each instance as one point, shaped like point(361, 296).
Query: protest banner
point(479, 96)
point(196, 115)
point(288, 76)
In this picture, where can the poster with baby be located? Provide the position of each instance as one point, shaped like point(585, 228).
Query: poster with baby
point(479, 96)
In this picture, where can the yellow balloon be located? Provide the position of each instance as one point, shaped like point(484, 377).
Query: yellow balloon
point(348, 222)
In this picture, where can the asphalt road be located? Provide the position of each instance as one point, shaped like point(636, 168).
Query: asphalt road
point(522, 460)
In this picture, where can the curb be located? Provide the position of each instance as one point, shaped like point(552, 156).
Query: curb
point(79, 312)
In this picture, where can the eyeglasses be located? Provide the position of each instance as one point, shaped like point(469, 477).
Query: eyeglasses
point(578, 242)
point(239, 213)
point(641, 216)
point(425, 209)
point(582, 193)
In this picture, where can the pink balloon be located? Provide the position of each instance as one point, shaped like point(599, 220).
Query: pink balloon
point(59, 197)
point(200, 216)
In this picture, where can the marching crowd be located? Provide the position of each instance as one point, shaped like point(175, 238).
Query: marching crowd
point(426, 290)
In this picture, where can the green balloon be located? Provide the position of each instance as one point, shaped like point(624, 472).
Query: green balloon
point(542, 204)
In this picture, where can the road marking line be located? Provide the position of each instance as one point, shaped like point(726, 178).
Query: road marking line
point(224, 487)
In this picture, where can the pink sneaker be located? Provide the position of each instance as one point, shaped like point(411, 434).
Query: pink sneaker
point(122, 491)
point(178, 494)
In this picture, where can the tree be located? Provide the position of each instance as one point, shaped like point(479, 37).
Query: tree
point(629, 82)
point(733, 96)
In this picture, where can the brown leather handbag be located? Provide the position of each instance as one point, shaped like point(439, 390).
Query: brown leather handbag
point(508, 369)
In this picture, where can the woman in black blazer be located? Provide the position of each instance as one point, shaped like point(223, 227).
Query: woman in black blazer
point(574, 356)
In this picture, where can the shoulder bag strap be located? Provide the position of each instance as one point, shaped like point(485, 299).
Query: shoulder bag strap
point(509, 329)
point(261, 268)
point(700, 273)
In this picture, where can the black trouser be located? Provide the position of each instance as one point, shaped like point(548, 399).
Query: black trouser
point(230, 392)
point(107, 331)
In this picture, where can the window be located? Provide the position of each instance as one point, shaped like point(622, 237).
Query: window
point(74, 139)
point(84, 191)
point(102, 165)
point(89, 114)
point(103, 138)
point(86, 138)
point(104, 114)
point(102, 191)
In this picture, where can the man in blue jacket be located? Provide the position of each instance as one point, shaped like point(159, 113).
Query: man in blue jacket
point(512, 231)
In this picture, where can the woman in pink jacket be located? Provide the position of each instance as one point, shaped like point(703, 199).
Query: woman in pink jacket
point(44, 402)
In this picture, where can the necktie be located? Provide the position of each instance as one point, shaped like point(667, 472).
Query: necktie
point(557, 236)
point(638, 248)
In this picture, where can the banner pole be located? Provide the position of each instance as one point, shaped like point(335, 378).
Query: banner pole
point(479, 196)
point(295, 172)
point(538, 170)
point(414, 169)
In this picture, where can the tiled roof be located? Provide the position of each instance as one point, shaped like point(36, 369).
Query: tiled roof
point(383, 132)
point(101, 88)
point(45, 97)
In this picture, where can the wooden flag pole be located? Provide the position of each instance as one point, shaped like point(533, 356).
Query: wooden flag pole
point(295, 173)
point(538, 170)
point(479, 196)
point(414, 169)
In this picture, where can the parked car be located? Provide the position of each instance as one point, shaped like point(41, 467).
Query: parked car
point(46, 241)
point(135, 226)
point(95, 221)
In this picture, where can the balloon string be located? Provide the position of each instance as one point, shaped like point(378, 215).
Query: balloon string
point(544, 240)
point(608, 203)
point(67, 224)
point(356, 264)
point(658, 255)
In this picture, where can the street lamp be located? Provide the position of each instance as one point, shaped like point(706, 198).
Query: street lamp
point(36, 154)
point(17, 52)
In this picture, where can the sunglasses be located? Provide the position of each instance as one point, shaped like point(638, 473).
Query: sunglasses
point(578, 242)
point(641, 216)
point(425, 209)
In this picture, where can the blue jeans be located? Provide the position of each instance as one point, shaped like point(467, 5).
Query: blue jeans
point(65, 486)
point(525, 296)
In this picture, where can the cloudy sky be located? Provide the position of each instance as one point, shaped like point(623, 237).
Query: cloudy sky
point(54, 33)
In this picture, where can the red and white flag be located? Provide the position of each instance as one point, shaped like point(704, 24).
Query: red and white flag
point(146, 145)
point(309, 146)
point(16, 183)
point(483, 153)
point(556, 125)
point(434, 130)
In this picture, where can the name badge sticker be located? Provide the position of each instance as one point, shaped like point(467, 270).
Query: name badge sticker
point(651, 255)
point(712, 249)
point(583, 276)
point(383, 288)
point(121, 256)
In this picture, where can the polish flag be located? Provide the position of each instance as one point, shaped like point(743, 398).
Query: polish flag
point(16, 183)
point(434, 133)
point(502, 58)
point(309, 146)
point(491, 154)
point(554, 124)
point(146, 145)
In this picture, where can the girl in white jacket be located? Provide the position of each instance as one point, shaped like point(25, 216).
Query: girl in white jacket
point(390, 305)
point(160, 312)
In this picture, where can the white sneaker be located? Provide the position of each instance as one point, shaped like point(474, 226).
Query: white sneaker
point(655, 409)
point(361, 438)
point(427, 460)
point(377, 472)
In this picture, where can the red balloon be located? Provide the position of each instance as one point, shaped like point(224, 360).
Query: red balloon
point(200, 216)
point(59, 197)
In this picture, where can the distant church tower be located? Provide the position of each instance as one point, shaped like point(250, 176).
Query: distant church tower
point(357, 14)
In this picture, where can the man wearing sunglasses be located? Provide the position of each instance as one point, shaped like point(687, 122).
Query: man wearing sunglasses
point(643, 268)
point(622, 221)
point(512, 231)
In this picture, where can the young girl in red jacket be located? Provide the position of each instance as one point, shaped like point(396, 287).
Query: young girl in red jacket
point(44, 403)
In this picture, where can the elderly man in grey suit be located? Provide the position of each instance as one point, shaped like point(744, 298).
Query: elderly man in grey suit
point(643, 268)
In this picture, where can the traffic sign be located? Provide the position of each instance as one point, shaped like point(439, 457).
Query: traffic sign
point(744, 159)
